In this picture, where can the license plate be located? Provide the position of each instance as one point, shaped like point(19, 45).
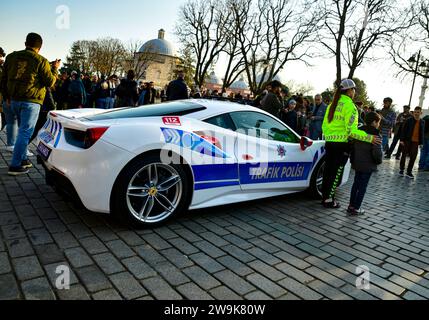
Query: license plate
point(44, 151)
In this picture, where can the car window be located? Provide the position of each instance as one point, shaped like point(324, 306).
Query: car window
point(263, 126)
point(222, 121)
point(177, 108)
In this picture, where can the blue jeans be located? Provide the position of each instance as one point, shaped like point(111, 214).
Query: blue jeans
point(359, 189)
point(11, 125)
point(424, 156)
point(110, 103)
point(102, 104)
point(27, 114)
point(385, 144)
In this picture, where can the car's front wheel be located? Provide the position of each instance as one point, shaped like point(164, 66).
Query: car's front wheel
point(148, 192)
point(316, 186)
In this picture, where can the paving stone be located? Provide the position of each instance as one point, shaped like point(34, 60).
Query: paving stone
point(328, 291)
point(201, 278)
point(65, 240)
point(264, 256)
point(108, 263)
point(300, 290)
point(150, 255)
point(160, 289)
point(19, 248)
point(49, 253)
point(356, 294)
point(411, 286)
point(93, 245)
point(214, 239)
point(233, 281)
point(37, 289)
point(75, 293)
point(171, 274)
point(233, 264)
point(78, 257)
point(188, 235)
point(184, 246)
point(294, 273)
point(225, 294)
point(156, 242)
point(257, 296)
point(79, 230)
point(120, 249)
point(55, 226)
point(27, 268)
point(239, 254)
point(131, 238)
point(55, 270)
point(9, 288)
point(93, 279)
point(413, 297)
point(266, 285)
point(128, 286)
point(40, 236)
point(267, 270)
point(4, 263)
point(139, 268)
point(194, 293)
point(209, 249)
point(207, 263)
point(177, 258)
point(107, 295)
point(13, 232)
point(104, 233)
point(32, 222)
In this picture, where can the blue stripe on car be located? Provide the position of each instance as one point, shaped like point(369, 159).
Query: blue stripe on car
point(215, 172)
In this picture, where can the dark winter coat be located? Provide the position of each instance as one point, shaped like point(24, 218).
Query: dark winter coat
point(365, 156)
point(408, 130)
point(271, 104)
point(177, 90)
point(127, 92)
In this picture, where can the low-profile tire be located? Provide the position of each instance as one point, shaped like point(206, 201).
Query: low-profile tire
point(148, 193)
point(317, 180)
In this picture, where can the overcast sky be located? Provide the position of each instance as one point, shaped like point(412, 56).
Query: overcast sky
point(141, 19)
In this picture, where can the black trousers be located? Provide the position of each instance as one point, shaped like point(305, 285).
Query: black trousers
point(337, 156)
point(393, 147)
point(410, 149)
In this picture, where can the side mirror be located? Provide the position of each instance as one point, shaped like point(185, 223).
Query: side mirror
point(306, 143)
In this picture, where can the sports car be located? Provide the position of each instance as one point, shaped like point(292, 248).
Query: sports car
point(147, 164)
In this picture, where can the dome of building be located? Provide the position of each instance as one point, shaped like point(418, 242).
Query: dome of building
point(240, 85)
point(265, 78)
point(213, 79)
point(158, 46)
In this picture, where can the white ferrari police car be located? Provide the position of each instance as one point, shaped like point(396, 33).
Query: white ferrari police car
point(149, 163)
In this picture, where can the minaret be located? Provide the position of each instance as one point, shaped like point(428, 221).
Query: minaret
point(161, 34)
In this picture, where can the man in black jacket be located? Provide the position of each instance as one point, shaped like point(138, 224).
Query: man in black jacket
point(411, 138)
point(177, 89)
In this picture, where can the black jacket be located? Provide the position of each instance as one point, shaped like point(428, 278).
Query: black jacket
point(426, 120)
point(291, 119)
point(408, 129)
point(177, 90)
point(127, 92)
point(365, 156)
point(271, 104)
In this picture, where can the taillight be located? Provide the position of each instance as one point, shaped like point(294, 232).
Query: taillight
point(93, 135)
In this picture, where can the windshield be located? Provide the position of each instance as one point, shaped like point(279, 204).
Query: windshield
point(177, 108)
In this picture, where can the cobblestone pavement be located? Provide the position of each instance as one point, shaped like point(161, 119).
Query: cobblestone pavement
point(282, 248)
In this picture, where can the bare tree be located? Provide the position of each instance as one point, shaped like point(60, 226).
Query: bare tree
point(201, 27)
point(108, 55)
point(417, 36)
point(352, 28)
point(273, 34)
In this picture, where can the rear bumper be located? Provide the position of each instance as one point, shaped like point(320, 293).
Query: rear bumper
point(60, 182)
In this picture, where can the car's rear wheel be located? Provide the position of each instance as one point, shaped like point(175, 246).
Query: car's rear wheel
point(149, 193)
point(316, 186)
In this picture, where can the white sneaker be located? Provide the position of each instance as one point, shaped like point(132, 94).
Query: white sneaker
point(30, 154)
point(10, 149)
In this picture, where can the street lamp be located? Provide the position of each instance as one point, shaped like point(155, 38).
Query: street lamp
point(425, 69)
point(419, 66)
point(413, 63)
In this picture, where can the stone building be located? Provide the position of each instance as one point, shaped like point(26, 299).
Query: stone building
point(160, 60)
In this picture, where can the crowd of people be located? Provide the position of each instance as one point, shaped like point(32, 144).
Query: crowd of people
point(30, 88)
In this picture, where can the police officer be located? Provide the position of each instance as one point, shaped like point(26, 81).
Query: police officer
point(26, 76)
point(339, 127)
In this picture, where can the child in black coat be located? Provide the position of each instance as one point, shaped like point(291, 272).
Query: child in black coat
point(365, 159)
